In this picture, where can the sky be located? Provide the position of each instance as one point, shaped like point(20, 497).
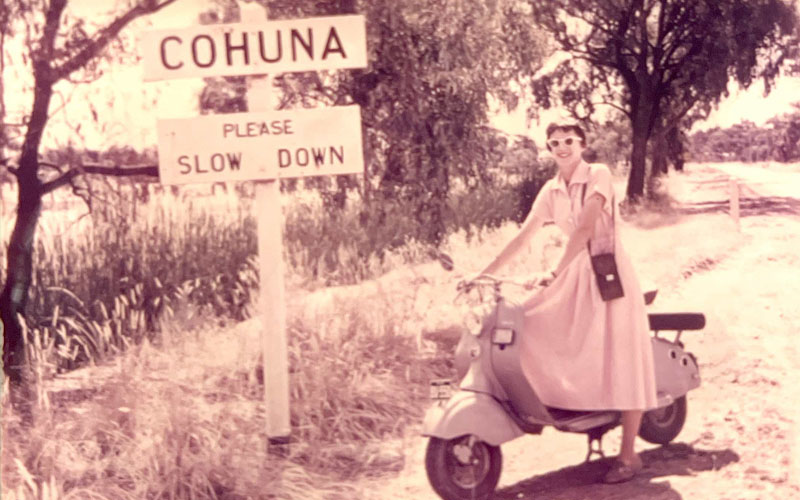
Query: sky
point(127, 108)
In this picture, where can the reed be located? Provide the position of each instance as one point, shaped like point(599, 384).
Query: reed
point(106, 279)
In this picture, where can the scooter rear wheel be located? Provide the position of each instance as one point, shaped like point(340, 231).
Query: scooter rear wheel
point(662, 425)
point(463, 467)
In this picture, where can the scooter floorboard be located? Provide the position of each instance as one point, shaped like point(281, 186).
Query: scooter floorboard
point(562, 414)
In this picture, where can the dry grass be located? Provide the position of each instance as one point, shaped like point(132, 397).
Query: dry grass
point(185, 419)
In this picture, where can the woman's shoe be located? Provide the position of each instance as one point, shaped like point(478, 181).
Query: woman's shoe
point(621, 472)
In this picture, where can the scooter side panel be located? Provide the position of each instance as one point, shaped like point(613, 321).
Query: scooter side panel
point(508, 369)
point(471, 413)
point(676, 370)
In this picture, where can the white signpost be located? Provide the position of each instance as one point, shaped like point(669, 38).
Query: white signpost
point(262, 145)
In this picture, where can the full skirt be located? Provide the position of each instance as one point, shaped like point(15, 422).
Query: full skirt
point(582, 353)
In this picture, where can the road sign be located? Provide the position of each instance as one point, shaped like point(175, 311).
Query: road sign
point(313, 44)
point(261, 146)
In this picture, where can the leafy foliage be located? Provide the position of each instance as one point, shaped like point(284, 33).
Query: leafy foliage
point(425, 96)
point(659, 61)
point(433, 66)
point(611, 141)
point(747, 142)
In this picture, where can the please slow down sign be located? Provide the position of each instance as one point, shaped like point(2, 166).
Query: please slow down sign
point(265, 145)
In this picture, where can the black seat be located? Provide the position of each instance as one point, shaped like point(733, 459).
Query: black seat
point(676, 321)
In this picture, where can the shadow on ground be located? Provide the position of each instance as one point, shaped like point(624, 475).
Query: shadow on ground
point(584, 481)
point(767, 205)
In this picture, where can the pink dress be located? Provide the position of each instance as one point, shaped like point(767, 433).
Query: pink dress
point(578, 351)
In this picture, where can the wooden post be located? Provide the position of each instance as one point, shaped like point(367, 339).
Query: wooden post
point(270, 258)
point(734, 201)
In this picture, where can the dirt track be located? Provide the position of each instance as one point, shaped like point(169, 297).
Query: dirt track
point(742, 436)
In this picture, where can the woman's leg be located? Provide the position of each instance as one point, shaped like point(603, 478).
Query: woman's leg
point(628, 463)
point(631, 420)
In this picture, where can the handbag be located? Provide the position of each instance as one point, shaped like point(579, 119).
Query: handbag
point(604, 265)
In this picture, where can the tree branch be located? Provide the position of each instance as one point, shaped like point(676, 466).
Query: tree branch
point(615, 106)
point(644, 42)
point(596, 25)
point(47, 164)
point(675, 116)
point(619, 56)
point(147, 170)
point(105, 36)
point(48, 41)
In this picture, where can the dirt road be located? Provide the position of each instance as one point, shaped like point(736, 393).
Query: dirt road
point(742, 436)
point(764, 180)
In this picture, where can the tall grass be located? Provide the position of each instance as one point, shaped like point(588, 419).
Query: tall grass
point(105, 280)
point(185, 419)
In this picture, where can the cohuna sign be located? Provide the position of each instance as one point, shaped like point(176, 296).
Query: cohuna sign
point(257, 48)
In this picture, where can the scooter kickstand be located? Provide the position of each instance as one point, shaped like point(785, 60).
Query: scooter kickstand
point(594, 438)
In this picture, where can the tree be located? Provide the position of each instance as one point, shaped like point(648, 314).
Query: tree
point(60, 50)
point(611, 140)
point(425, 96)
point(659, 60)
point(778, 141)
point(787, 131)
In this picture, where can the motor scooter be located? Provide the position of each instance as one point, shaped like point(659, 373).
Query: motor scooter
point(494, 403)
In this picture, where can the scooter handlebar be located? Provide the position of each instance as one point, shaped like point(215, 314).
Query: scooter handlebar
point(466, 285)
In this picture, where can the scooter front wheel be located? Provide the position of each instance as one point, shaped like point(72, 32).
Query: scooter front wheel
point(463, 467)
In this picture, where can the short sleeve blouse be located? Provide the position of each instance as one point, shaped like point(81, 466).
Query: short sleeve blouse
point(600, 182)
point(561, 204)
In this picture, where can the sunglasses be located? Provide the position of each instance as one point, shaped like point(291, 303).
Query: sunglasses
point(554, 143)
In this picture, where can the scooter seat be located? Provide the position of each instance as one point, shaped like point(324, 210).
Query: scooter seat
point(676, 321)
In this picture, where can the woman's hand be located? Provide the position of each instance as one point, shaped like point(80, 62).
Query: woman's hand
point(471, 277)
point(539, 280)
point(467, 280)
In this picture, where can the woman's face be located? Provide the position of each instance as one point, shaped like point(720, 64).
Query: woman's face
point(566, 148)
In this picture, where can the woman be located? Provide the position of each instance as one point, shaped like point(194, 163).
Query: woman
point(580, 352)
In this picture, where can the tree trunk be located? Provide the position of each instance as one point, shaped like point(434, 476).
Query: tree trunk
point(659, 155)
point(675, 148)
point(643, 109)
point(638, 162)
point(14, 295)
point(658, 164)
point(19, 267)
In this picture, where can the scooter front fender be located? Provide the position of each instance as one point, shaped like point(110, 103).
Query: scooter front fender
point(471, 413)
